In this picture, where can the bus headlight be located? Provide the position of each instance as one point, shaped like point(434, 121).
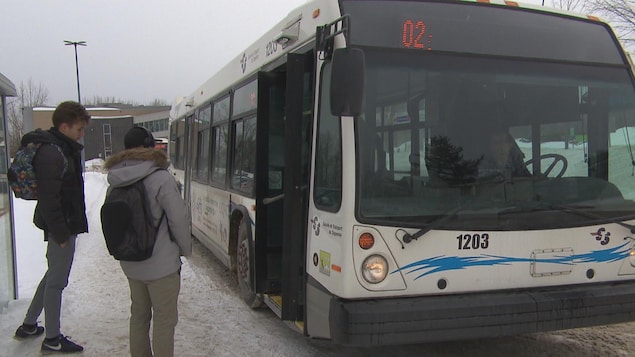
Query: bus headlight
point(375, 269)
point(631, 257)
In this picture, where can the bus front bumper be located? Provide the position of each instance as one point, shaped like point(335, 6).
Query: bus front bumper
point(456, 317)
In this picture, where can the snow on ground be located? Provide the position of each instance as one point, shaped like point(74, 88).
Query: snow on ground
point(213, 321)
point(96, 302)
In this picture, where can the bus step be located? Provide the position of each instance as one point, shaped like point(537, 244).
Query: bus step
point(297, 326)
point(275, 303)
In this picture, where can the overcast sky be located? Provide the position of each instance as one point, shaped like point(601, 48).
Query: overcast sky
point(137, 50)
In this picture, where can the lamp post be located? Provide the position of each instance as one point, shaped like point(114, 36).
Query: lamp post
point(79, 96)
point(75, 44)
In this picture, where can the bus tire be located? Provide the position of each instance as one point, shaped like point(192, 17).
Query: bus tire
point(245, 264)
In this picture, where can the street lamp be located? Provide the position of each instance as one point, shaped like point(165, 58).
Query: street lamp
point(79, 96)
point(75, 44)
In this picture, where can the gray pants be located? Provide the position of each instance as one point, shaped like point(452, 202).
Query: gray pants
point(48, 295)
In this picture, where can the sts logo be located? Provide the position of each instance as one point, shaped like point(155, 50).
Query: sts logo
point(243, 62)
point(316, 225)
point(602, 235)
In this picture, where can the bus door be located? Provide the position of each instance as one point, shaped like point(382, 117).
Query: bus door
point(284, 99)
point(298, 134)
point(270, 168)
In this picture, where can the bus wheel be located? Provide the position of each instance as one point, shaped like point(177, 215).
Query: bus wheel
point(244, 265)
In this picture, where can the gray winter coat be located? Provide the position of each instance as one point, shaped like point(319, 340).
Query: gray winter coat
point(129, 166)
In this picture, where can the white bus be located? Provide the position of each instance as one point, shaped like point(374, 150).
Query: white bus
point(388, 172)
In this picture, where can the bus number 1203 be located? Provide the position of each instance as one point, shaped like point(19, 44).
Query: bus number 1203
point(473, 241)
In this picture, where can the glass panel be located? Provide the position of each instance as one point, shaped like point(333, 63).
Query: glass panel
point(205, 115)
point(191, 144)
point(237, 154)
point(328, 166)
point(173, 144)
point(221, 110)
point(488, 140)
point(219, 156)
point(401, 149)
point(7, 275)
point(246, 98)
point(244, 164)
point(177, 144)
point(276, 140)
point(203, 155)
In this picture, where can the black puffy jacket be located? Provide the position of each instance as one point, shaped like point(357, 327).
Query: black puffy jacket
point(60, 209)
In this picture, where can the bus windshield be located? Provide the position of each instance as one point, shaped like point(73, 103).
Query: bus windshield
point(494, 143)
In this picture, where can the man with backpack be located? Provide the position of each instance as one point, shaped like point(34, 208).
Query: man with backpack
point(154, 282)
point(61, 213)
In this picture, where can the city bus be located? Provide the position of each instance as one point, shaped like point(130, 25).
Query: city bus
point(390, 172)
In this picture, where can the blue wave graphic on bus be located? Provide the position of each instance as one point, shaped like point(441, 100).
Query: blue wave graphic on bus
point(445, 263)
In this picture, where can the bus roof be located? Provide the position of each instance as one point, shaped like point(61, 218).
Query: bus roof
point(292, 32)
point(298, 27)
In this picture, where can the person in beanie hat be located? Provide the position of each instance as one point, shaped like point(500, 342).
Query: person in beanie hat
point(138, 136)
point(154, 282)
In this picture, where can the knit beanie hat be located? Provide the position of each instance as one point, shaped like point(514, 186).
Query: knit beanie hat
point(138, 136)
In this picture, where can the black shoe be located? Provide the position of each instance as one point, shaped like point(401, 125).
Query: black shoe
point(60, 344)
point(25, 331)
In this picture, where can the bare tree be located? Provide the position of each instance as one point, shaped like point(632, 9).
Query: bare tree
point(15, 124)
point(108, 100)
point(569, 5)
point(114, 101)
point(620, 14)
point(159, 103)
point(29, 95)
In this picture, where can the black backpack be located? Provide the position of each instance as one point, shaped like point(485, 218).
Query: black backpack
point(126, 221)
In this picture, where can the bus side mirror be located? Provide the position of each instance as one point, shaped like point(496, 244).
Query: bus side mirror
point(347, 82)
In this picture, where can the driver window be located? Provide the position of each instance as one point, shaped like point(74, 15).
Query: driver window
point(327, 194)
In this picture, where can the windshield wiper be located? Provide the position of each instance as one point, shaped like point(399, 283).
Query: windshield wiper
point(407, 237)
point(570, 209)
